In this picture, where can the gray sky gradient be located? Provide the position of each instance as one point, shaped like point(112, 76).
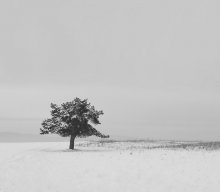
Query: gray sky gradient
point(152, 66)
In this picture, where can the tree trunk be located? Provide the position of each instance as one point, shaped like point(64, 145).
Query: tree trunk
point(72, 139)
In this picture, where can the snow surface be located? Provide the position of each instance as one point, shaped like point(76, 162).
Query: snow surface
point(117, 166)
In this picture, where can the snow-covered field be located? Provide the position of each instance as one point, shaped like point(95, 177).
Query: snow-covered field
point(109, 166)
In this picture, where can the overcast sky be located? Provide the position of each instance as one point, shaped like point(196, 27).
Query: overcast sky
point(152, 65)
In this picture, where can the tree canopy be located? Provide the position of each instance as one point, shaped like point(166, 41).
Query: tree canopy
point(74, 118)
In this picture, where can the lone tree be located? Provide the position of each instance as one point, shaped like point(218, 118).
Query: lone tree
point(73, 119)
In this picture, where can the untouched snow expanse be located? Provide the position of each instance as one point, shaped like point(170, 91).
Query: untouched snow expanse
point(106, 167)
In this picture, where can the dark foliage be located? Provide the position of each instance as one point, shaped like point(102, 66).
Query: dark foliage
point(73, 119)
